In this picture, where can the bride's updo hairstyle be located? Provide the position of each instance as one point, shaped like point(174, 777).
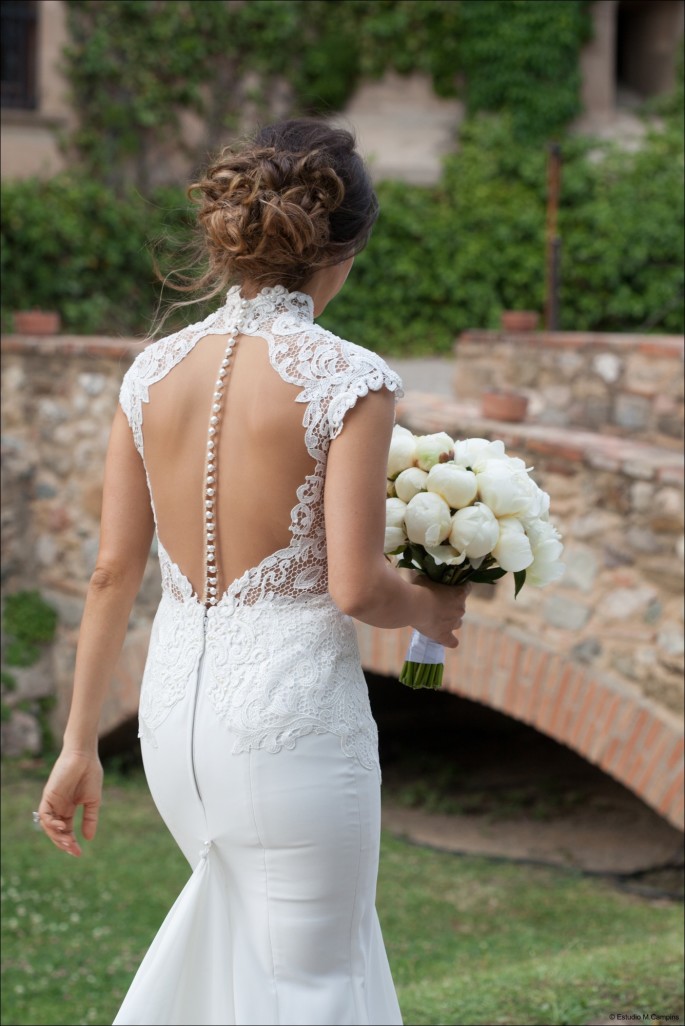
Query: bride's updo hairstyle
point(272, 212)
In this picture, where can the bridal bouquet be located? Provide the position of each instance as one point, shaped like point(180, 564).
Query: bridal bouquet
point(464, 511)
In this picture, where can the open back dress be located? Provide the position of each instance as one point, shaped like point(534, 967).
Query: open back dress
point(258, 742)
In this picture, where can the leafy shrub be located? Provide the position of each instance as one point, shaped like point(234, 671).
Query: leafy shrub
point(69, 244)
point(522, 56)
point(452, 257)
point(442, 259)
point(29, 623)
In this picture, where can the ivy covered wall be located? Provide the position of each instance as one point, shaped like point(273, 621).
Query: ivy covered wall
point(136, 66)
point(442, 259)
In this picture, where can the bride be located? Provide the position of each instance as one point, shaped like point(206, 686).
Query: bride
point(255, 445)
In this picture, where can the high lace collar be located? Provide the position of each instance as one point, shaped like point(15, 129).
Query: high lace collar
point(293, 309)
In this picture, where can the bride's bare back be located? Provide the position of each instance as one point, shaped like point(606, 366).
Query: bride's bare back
point(261, 458)
point(234, 418)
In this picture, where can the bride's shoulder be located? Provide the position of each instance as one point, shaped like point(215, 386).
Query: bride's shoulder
point(361, 362)
point(351, 372)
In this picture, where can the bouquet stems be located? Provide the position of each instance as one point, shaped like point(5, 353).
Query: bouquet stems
point(422, 675)
point(425, 662)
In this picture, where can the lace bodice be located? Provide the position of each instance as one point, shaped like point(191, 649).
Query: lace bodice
point(277, 658)
point(332, 375)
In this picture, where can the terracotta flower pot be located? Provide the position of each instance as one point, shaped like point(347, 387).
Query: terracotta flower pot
point(520, 320)
point(508, 406)
point(36, 322)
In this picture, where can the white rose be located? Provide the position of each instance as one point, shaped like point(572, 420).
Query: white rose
point(473, 452)
point(446, 554)
point(455, 485)
point(545, 542)
point(429, 449)
point(505, 489)
point(410, 482)
point(395, 535)
point(402, 451)
point(475, 530)
point(513, 550)
point(427, 519)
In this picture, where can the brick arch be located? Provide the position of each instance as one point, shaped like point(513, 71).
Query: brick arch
point(629, 737)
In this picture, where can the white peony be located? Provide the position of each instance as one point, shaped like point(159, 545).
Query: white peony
point(513, 550)
point(446, 554)
point(429, 449)
point(538, 501)
point(473, 452)
point(457, 486)
point(410, 482)
point(505, 488)
point(395, 534)
point(427, 519)
point(545, 542)
point(475, 530)
point(402, 453)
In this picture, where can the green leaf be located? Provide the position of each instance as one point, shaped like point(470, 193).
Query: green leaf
point(519, 580)
point(487, 576)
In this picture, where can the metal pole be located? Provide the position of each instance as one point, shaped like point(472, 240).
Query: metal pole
point(553, 242)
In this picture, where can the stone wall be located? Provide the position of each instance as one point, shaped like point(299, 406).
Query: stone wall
point(616, 619)
point(58, 399)
point(614, 384)
point(619, 506)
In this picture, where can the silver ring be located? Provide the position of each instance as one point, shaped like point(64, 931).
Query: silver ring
point(37, 825)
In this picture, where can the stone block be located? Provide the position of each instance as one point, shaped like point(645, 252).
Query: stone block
point(587, 651)
point(667, 510)
point(563, 612)
point(670, 640)
point(21, 735)
point(642, 539)
point(581, 568)
point(46, 550)
point(624, 603)
point(34, 681)
point(595, 411)
point(92, 383)
point(648, 376)
point(608, 367)
point(69, 608)
point(641, 496)
point(632, 412)
point(597, 522)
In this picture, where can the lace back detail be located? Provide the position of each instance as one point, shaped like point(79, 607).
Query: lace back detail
point(277, 658)
point(332, 375)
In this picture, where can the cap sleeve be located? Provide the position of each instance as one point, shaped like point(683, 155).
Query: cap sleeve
point(367, 371)
point(131, 397)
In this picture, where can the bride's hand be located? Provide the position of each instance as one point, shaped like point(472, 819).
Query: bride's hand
point(443, 610)
point(76, 779)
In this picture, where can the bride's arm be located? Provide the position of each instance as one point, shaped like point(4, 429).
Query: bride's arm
point(362, 582)
point(125, 535)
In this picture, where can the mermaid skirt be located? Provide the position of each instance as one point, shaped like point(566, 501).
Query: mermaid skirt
point(277, 923)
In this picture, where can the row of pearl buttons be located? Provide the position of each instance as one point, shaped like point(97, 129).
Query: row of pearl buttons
point(211, 570)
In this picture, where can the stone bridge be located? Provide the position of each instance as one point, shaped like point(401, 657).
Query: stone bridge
point(595, 661)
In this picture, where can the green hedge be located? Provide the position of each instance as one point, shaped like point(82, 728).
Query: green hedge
point(69, 244)
point(441, 260)
point(453, 257)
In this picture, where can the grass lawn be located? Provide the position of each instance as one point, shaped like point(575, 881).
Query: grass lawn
point(470, 940)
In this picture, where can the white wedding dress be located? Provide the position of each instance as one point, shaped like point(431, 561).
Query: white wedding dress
point(258, 741)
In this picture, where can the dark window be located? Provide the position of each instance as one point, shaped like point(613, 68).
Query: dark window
point(18, 54)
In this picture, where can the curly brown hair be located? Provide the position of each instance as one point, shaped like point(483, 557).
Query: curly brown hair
point(295, 198)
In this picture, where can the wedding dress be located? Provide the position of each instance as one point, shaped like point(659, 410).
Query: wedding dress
point(258, 742)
